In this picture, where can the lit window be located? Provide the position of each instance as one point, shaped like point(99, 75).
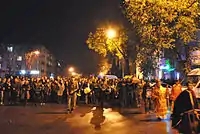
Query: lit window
point(19, 58)
point(0, 66)
point(10, 49)
point(59, 64)
point(0, 57)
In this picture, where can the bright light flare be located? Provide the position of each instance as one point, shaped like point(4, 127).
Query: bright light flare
point(23, 72)
point(111, 33)
point(36, 52)
point(71, 69)
point(34, 72)
point(101, 73)
point(73, 73)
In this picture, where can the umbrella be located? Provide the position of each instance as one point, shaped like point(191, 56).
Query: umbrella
point(194, 72)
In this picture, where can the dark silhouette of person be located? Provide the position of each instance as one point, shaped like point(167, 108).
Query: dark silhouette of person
point(182, 119)
point(97, 118)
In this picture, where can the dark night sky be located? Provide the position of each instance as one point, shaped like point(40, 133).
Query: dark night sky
point(61, 25)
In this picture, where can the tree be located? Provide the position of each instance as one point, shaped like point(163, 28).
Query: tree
point(116, 46)
point(100, 43)
point(147, 67)
point(163, 22)
point(104, 66)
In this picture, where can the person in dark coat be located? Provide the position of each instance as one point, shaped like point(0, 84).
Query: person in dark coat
point(184, 103)
point(146, 96)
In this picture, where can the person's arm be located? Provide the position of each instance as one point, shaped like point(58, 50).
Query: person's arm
point(172, 93)
point(67, 89)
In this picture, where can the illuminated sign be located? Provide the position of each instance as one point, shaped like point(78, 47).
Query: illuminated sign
point(167, 66)
point(34, 72)
point(23, 72)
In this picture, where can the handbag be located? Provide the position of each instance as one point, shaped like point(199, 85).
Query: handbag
point(87, 90)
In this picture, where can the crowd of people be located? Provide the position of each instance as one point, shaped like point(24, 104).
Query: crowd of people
point(93, 90)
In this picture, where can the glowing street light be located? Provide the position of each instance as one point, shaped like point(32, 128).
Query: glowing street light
point(73, 73)
point(36, 52)
point(101, 73)
point(111, 33)
point(71, 69)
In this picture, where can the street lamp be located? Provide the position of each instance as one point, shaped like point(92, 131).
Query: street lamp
point(36, 52)
point(111, 33)
point(73, 73)
point(71, 69)
point(101, 73)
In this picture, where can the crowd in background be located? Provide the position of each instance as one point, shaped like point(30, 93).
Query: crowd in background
point(93, 90)
point(128, 92)
point(98, 91)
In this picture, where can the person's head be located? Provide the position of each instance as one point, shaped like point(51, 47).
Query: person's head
point(16, 80)
point(177, 82)
point(27, 82)
point(158, 83)
point(189, 85)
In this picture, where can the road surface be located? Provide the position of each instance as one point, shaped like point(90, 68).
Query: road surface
point(53, 119)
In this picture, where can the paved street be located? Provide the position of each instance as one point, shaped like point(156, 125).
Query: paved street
point(52, 119)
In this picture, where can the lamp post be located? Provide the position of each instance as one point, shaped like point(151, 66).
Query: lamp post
point(111, 34)
point(36, 52)
point(71, 69)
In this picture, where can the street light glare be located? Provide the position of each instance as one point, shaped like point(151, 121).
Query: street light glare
point(71, 69)
point(37, 52)
point(101, 73)
point(73, 73)
point(111, 33)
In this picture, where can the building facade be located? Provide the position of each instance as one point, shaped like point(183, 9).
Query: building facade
point(40, 62)
point(23, 60)
point(12, 59)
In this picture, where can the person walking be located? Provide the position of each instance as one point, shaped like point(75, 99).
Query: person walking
point(61, 86)
point(176, 90)
point(1, 92)
point(146, 96)
point(72, 95)
point(160, 103)
point(186, 113)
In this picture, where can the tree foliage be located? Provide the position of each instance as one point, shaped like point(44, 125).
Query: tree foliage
point(100, 43)
point(148, 66)
point(163, 22)
point(104, 66)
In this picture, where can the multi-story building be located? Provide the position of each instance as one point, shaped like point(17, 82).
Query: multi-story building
point(12, 59)
point(26, 60)
point(40, 62)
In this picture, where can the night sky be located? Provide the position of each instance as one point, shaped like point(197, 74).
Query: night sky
point(61, 25)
